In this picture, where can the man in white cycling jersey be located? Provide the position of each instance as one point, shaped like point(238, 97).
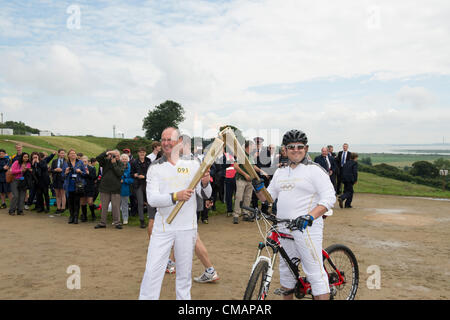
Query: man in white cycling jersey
point(167, 182)
point(302, 188)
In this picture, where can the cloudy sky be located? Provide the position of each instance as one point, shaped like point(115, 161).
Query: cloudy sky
point(364, 72)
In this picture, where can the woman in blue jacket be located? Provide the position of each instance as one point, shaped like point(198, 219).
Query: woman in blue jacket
point(125, 191)
point(73, 175)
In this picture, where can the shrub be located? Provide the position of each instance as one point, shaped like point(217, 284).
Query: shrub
point(367, 161)
point(388, 171)
point(424, 169)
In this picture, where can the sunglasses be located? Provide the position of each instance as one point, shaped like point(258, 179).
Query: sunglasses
point(295, 146)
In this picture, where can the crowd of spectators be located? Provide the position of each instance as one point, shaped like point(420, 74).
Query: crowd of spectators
point(70, 181)
point(76, 181)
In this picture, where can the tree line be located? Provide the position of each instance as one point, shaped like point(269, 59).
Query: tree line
point(19, 128)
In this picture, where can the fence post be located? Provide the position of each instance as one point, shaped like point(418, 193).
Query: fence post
point(444, 174)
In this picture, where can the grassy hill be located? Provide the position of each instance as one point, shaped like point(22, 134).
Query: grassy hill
point(400, 160)
point(371, 183)
point(90, 146)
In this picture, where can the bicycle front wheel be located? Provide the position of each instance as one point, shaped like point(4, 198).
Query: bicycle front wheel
point(255, 287)
point(342, 260)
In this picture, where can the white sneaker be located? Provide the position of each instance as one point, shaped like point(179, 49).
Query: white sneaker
point(125, 221)
point(26, 207)
point(207, 277)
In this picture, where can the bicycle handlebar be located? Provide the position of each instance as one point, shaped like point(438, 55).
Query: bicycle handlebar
point(256, 213)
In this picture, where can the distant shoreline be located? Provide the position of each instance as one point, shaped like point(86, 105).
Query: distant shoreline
point(398, 149)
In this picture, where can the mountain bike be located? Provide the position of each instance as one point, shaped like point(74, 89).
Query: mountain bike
point(339, 263)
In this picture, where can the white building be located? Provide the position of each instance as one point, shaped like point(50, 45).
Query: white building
point(45, 133)
point(6, 132)
point(120, 134)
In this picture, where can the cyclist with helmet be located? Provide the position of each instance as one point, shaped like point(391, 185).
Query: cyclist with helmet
point(304, 192)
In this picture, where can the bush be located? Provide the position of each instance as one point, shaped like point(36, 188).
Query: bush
point(366, 161)
point(386, 167)
point(424, 169)
point(388, 171)
point(442, 163)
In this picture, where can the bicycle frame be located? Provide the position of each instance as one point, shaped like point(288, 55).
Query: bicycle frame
point(304, 287)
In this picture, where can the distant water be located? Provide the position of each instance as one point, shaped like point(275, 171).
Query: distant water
point(440, 149)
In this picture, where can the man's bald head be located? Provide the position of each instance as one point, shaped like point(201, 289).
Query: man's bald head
point(171, 132)
point(169, 139)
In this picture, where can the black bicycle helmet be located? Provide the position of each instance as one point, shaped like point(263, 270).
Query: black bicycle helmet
point(294, 136)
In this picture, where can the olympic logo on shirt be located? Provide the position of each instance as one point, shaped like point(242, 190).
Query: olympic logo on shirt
point(287, 186)
point(183, 170)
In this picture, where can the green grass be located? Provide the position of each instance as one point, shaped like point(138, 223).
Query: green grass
point(104, 143)
point(221, 208)
point(11, 150)
point(90, 146)
point(37, 141)
point(370, 183)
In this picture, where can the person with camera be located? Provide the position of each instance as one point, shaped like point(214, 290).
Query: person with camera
point(41, 179)
point(110, 186)
point(21, 170)
point(139, 168)
point(74, 184)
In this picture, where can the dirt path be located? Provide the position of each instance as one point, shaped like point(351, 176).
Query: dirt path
point(407, 238)
point(32, 146)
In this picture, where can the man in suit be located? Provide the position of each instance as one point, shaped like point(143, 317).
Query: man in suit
point(333, 177)
point(330, 151)
point(327, 162)
point(349, 178)
point(342, 158)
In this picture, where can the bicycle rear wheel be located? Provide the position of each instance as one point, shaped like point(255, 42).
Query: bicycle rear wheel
point(343, 260)
point(255, 286)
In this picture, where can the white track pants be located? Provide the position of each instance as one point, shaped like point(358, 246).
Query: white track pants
point(307, 246)
point(157, 258)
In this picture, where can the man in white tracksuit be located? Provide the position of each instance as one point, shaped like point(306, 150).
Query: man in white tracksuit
point(167, 181)
point(303, 189)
